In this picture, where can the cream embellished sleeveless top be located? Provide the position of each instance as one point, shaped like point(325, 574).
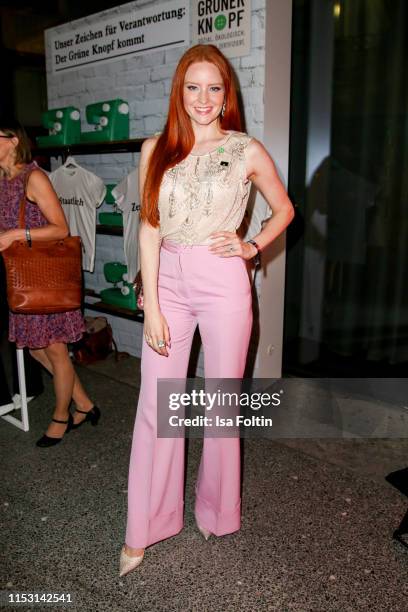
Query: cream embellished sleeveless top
point(205, 193)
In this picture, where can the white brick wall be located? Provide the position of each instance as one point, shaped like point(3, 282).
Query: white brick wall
point(144, 81)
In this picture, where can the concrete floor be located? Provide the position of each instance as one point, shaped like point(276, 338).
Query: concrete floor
point(317, 520)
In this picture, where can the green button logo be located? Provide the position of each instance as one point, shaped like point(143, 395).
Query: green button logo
point(220, 22)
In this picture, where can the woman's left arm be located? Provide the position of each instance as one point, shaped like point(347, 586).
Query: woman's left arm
point(261, 170)
point(40, 191)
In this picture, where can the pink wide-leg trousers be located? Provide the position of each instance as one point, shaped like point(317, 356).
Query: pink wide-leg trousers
point(195, 286)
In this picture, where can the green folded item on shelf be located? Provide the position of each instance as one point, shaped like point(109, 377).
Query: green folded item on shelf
point(115, 271)
point(124, 297)
point(111, 218)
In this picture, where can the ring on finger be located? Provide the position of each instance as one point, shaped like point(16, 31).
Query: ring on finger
point(161, 343)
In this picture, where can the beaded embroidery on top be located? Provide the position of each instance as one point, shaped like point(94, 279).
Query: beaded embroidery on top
point(205, 193)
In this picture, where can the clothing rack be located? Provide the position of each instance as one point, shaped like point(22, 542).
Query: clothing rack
point(132, 145)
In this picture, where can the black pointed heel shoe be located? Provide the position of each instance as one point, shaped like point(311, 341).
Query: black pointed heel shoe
point(46, 441)
point(92, 416)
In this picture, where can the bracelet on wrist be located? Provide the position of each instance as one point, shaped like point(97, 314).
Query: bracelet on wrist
point(257, 257)
point(28, 236)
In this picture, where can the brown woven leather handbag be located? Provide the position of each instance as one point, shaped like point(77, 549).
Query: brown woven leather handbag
point(44, 277)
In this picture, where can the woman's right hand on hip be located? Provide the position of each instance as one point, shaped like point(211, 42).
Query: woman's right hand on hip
point(156, 332)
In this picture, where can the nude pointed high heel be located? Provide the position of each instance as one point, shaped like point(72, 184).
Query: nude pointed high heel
point(127, 564)
point(205, 532)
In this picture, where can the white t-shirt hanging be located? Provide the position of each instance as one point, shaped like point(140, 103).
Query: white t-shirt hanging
point(126, 194)
point(80, 193)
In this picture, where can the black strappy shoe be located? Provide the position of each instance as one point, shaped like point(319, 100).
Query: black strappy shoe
point(46, 441)
point(92, 416)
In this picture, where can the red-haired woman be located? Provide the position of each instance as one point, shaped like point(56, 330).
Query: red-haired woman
point(194, 185)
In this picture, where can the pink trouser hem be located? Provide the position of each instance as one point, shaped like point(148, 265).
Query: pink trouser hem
point(161, 527)
point(219, 523)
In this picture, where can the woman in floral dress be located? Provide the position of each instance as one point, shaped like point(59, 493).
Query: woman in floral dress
point(45, 335)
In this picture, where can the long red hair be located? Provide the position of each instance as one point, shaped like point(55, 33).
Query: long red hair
point(177, 138)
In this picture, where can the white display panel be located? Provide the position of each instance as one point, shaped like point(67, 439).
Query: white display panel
point(117, 36)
